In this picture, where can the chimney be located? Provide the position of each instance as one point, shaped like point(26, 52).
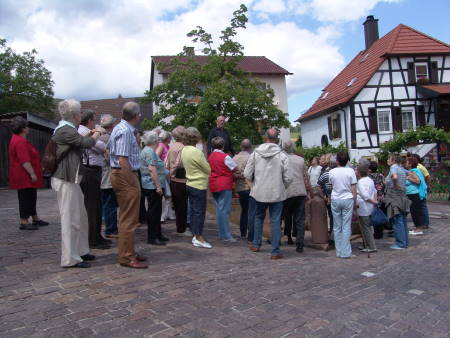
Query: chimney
point(370, 30)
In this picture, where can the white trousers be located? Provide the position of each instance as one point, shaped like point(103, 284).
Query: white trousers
point(167, 210)
point(74, 221)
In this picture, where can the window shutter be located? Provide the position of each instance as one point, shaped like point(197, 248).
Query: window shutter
point(434, 72)
point(397, 118)
point(330, 129)
point(411, 73)
point(373, 123)
point(420, 116)
point(338, 123)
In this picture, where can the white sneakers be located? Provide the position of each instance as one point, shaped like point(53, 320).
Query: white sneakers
point(415, 233)
point(199, 244)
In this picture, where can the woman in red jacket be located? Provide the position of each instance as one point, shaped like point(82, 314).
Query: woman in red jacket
point(25, 173)
point(221, 185)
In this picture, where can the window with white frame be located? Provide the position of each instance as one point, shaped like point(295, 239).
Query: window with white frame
point(407, 119)
point(421, 71)
point(384, 121)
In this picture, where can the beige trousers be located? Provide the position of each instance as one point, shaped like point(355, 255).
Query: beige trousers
point(74, 222)
point(128, 194)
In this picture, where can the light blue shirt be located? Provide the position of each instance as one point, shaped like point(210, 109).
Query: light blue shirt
point(149, 157)
point(123, 143)
point(401, 176)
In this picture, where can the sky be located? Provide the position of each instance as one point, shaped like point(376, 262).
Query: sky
point(101, 48)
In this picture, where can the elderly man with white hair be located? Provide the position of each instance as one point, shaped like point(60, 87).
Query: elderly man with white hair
point(294, 205)
point(66, 182)
point(125, 163)
point(109, 200)
point(153, 178)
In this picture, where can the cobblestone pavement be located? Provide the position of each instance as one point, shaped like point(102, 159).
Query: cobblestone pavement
point(224, 292)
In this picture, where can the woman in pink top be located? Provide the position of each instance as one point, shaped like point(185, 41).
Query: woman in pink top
point(163, 147)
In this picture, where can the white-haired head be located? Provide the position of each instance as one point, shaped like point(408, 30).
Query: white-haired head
point(107, 121)
point(68, 109)
point(150, 138)
point(165, 136)
point(288, 147)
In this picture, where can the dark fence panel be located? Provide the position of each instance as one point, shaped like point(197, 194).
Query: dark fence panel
point(5, 136)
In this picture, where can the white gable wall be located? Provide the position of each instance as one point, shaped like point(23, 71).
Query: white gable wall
point(278, 84)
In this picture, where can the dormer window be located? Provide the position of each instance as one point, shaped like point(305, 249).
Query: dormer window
point(324, 96)
point(352, 81)
point(364, 58)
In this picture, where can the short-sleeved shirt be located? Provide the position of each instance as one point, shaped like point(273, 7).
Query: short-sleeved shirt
point(341, 179)
point(424, 170)
point(122, 142)
point(401, 176)
point(150, 158)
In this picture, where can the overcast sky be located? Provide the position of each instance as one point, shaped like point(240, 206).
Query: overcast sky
point(99, 48)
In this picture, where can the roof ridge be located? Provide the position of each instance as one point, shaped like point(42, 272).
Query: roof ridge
point(425, 35)
point(395, 32)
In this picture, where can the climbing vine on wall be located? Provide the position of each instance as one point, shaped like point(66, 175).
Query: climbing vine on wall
point(403, 140)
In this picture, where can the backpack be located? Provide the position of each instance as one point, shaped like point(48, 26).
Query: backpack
point(50, 161)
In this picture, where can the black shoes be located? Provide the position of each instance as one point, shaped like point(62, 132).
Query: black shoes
point(163, 239)
point(290, 241)
point(28, 227)
point(82, 265)
point(104, 240)
point(299, 249)
point(88, 257)
point(156, 241)
point(40, 223)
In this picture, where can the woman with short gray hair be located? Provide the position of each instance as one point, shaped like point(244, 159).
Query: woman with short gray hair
point(221, 185)
point(66, 182)
point(153, 176)
point(177, 175)
point(162, 150)
point(197, 173)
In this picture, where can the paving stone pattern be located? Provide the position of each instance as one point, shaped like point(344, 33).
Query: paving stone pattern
point(224, 292)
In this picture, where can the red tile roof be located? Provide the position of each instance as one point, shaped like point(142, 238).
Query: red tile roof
point(113, 107)
point(402, 40)
point(251, 64)
point(439, 89)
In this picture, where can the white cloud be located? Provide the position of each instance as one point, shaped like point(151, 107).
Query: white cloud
point(99, 49)
point(342, 10)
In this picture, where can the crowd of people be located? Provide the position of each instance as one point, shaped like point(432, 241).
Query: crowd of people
point(115, 174)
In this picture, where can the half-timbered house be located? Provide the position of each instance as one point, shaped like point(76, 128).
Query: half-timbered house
point(399, 82)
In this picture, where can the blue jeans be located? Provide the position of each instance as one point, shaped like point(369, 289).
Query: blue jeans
point(243, 201)
point(400, 227)
point(197, 203)
point(275, 210)
point(426, 218)
point(222, 201)
point(251, 218)
point(109, 209)
point(342, 226)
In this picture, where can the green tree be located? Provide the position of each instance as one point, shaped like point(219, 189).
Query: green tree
point(196, 93)
point(25, 83)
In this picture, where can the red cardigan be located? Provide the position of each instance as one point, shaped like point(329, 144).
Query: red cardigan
point(20, 152)
point(221, 176)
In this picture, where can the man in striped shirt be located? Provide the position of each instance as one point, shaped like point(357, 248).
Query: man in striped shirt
point(125, 163)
